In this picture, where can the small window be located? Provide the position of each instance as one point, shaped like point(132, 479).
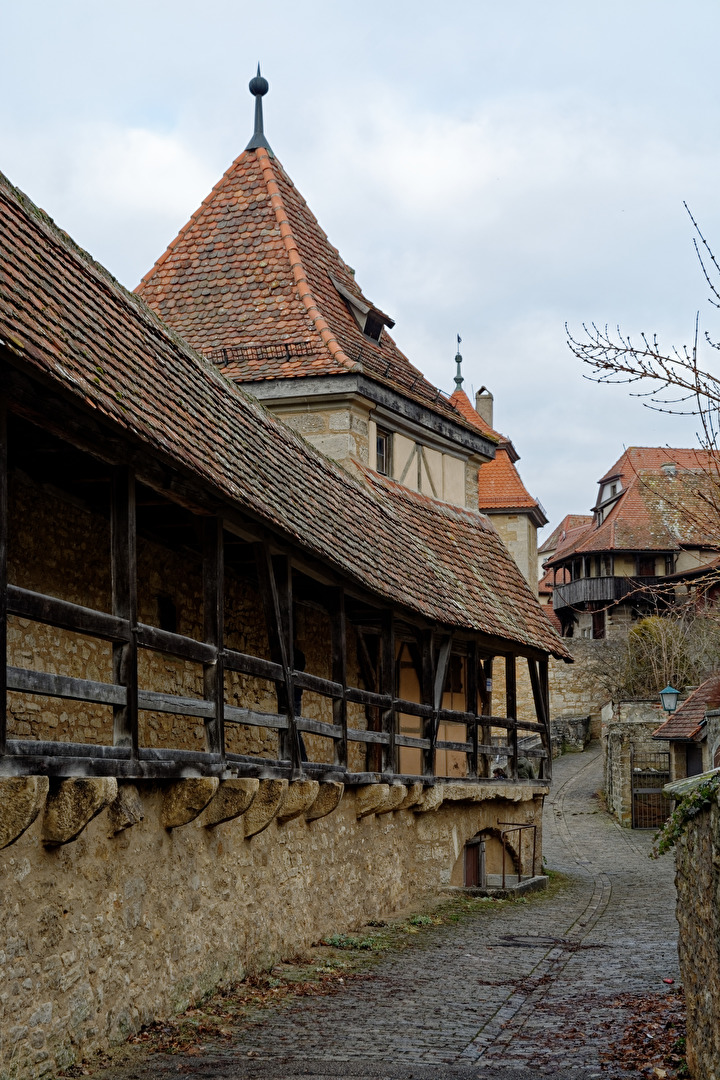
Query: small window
point(384, 446)
point(613, 490)
point(373, 326)
point(167, 614)
point(645, 565)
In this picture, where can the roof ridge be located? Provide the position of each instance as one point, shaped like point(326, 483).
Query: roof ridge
point(296, 264)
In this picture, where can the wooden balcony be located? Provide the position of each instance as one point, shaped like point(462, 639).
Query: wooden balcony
point(605, 590)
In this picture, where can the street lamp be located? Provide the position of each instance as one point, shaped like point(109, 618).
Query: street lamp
point(669, 698)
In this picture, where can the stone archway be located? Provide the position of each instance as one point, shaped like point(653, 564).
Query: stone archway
point(495, 841)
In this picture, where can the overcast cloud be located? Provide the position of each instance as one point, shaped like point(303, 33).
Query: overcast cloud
point(492, 169)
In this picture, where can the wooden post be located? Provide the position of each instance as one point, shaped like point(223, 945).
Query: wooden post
point(471, 705)
point(511, 712)
point(543, 672)
point(539, 683)
point(3, 570)
point(388, 686)
point(438, 690)
point(278, 618)
point(338, 630)
point(486, 672)
point(426, 695)
point(214, 620)
point(370, 674)
point(123, 545)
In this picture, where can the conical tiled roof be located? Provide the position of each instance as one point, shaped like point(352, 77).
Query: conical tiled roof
point(252, 273)
point(499, 483)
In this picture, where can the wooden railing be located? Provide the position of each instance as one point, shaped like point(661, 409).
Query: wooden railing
point(274, 572)
point(600, 590)
point(128, 759)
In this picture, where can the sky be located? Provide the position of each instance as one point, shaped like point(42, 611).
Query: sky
point(494, 170)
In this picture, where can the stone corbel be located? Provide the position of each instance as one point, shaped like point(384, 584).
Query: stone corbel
point(413, 796)
point(432, 798)
point(126, 810)
point(369, 798)
point(299, 797)
point(72, 805)
point(264, 807)
point(21, 800)
point(328, 799)
point(233, 798)
point(396, 795)
point(184, 800)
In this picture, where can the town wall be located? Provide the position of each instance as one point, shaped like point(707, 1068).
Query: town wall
point(61, 548)
point(116, 929)
point(697, 879)
point(574, 691)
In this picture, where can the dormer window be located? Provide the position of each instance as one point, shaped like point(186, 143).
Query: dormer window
point(373, 326)
point(384, 447)
point(370, 319)
point(610, 490)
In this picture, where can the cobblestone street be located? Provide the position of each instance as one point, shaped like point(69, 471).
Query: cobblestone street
point(519, 991)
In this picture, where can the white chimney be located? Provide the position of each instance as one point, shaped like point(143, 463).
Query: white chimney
point(484, 405)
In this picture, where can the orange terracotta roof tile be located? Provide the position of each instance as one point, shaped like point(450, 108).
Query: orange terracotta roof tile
point(686, 722)
point(499, 483)
point(558, 535)
point(251, 273)
point(668, 499)
point(463, 404)
point(67, 324)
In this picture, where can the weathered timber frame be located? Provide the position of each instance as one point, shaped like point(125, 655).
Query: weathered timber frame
point(276, 560)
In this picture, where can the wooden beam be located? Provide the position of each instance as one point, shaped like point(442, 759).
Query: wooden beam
point(62, 686)
point(278, 619)
point(366, 697)
point(214, 625)
point(544, 679)
point(539, 684)
point(152, 637)
point(374, 703)
point(3, 569)
point(426, 694)
point(441, 669)
point(486, 670)
point(123, 545)
point(441, 672)
point(252, 665)
point(66, 616)
point(471, 704)
point(511, 710)
point(338, 643)
point(388, 680)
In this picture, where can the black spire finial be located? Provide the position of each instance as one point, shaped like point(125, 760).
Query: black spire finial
point(458, 360)
point(258, 88)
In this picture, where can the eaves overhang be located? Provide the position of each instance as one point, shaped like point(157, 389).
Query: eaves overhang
point(535, 513)
point(342, 385)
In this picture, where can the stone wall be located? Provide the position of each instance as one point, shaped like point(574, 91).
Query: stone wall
point(117, 928)
point(573, 690)
point(519, 535)
point(698, 912)
point(570, 734)
point(627, 727)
